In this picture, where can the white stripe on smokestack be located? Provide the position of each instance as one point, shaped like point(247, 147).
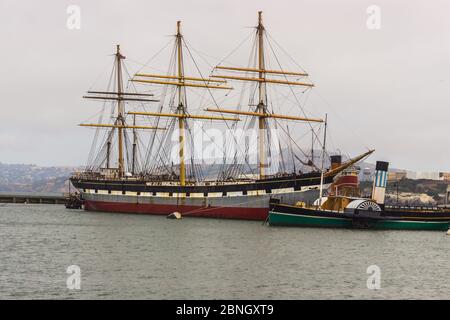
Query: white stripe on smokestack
point(380, 181)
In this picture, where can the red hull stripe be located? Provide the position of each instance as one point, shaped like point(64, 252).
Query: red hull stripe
point(191, 211)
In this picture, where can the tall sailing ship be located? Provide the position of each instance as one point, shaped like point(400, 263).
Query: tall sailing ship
point(119, 178)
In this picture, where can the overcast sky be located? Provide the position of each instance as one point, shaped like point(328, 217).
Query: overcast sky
point(386, 88)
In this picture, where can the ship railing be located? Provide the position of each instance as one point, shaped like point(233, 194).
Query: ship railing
point(154, 181)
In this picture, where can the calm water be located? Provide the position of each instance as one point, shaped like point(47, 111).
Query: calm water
point(150, 257)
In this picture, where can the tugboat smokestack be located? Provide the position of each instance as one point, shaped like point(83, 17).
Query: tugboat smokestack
point(336, 161)
point(380, 182)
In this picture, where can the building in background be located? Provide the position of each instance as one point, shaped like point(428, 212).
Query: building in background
point(445, 176)
point(415, 175)
point(367, 174)
point(396, 175)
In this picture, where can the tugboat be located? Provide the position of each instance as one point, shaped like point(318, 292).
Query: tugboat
point(74, 201)
point(343, 209)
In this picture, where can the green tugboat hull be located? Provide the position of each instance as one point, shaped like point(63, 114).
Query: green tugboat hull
point(323, 221)
point(298, 220)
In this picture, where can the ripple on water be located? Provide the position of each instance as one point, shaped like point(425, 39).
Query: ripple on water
point(150, 257)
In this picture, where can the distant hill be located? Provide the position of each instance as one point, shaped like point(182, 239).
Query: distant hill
point(412, 192)
point(32, 178)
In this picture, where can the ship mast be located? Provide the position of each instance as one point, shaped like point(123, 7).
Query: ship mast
point(312, 147)
point(120, 96)
point(323, 161)
point(120, 120)
point(261, 111)
point(181, 81)
point(181, 110)
point(108, 153)
point(261, 104)
point(134, 150)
